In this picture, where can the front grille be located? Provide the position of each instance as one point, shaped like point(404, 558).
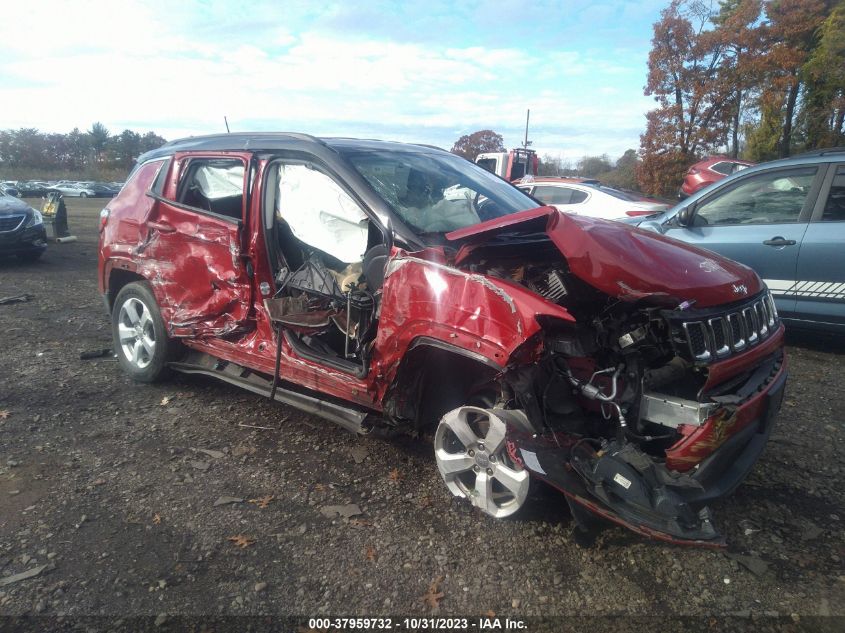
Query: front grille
point(10, 222)
point(706, 336)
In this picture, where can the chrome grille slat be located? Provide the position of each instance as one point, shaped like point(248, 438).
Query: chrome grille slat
point(719, 336)
point(9, 223)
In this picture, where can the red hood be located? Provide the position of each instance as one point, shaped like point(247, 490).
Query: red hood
point(624, 261)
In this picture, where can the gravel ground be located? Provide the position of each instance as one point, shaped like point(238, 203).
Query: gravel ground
point(192, 497)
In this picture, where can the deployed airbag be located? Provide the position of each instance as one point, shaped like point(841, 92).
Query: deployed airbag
point(321, 214)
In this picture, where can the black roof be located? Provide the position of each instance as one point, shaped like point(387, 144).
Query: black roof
point(258, 141)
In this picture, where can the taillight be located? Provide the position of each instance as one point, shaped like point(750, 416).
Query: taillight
point(692, 171)
point(104, 217)
point(637, 212)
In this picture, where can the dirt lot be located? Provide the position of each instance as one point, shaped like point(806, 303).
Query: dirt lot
point(130, 495)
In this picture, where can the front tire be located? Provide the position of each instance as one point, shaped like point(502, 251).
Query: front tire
point(140, 339)
point(473, 460)
point(83, 195)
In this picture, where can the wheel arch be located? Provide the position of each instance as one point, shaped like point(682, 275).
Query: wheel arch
point(433, 378)
point(116, 279)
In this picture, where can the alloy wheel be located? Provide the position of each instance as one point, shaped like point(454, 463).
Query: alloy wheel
point(136, 332)
point(473, 460)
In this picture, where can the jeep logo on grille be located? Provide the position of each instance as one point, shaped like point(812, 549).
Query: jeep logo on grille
point(740, 289)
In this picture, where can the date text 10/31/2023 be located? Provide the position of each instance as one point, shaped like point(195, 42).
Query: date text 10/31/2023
point(419, 624)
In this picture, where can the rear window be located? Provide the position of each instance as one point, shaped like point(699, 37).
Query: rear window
point(725, 169)
point(621, 195)
point(488, 163)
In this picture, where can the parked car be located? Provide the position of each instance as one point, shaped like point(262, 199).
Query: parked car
point(100, 190)
point(22, 230)
point(708, 171)
point(74, 190)
point(391, 287)
point(32, 189)
point(10, 189)
point(786, 220)
point(589, 197)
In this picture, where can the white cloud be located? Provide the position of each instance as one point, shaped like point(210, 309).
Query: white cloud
point(136, 72)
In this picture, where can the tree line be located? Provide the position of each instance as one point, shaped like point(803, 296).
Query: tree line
point(29, 153)
point(753, 79)
point(756, 79)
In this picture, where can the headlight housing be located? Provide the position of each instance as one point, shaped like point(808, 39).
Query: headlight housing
point(35, 220)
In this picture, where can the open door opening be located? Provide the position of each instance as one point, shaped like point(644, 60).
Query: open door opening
point(328, 263)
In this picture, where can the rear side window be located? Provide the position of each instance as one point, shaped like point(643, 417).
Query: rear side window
point(723, 168)
point(767, 198)
point(554, 195)
point(158, 185)
point(834, 208)
point(141, 179)
point(213, 185)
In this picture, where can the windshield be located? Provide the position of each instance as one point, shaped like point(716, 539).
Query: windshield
point(437, 192)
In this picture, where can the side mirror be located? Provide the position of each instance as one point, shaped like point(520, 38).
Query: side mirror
point(684, 217)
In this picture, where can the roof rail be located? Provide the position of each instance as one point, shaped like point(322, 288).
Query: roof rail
point(821, 152)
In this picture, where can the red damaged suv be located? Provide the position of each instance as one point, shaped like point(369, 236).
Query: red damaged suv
point(392, 287)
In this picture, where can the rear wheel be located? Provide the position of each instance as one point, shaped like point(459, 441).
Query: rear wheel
point(83, 195)
point(473, 460)
point(140, 338)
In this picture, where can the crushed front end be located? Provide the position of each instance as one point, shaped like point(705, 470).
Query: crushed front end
point(635, 424)
point(648, 406)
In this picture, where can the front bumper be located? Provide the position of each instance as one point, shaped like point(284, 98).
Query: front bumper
point(623, 485)
point(23, 241)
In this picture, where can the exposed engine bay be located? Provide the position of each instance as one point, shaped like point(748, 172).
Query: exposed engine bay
point(606, 404)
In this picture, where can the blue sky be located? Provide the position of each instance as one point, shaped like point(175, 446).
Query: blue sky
point(410, 71)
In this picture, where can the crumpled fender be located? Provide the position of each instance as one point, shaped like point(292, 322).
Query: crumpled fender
point(426, 297)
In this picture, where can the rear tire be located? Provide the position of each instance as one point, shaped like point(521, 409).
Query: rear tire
point(83, 195)
point(140, 338)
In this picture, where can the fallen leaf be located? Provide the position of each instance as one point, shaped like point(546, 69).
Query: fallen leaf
point(356, 522)
point(359, 453)
point(371, 554)
point(4, 414)
point(241, 541)
point(166, 400)
point(433, 596)
point(490, 613)
point(99, 482)
point(395, 475)
point(425, 501)
point(156, 519)
point(263, 502)
point(319, 487)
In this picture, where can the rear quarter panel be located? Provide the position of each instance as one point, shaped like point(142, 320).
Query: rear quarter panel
point(127, 212)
